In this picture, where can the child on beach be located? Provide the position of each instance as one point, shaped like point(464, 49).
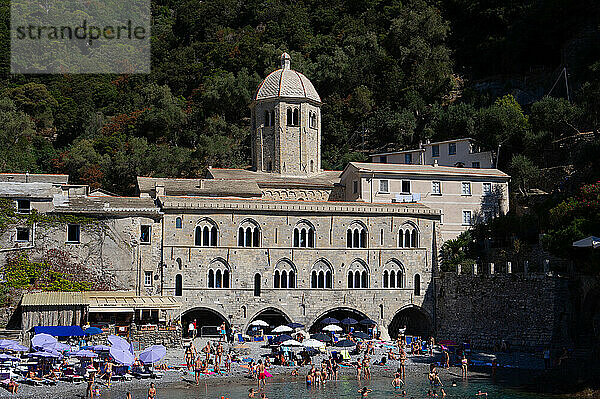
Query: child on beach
point(397, 382)
point(364, 392)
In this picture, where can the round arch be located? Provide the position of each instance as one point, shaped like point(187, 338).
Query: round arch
point(339, 313)
point(414, 318)
point(207, 321)
point(272, 315)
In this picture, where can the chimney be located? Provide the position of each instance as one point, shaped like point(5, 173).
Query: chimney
point(159, 188)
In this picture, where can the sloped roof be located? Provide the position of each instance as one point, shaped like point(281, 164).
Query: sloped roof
point(426, 170)
point(34, 178)
point(54, 298)
point(105, 205)
point(28, 190)
point(201, 187)
point(326, 179)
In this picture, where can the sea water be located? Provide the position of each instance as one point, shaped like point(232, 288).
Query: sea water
point(416, 387)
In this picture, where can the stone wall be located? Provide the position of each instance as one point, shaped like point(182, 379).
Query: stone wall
point(529, 312)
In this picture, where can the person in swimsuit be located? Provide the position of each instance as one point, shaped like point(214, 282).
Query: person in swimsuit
point(197, 370)
point(367, 367)
point(261, 374)
point(463, 366)
point(358, 370)
point(152, 391)
point(402, 363)
point(90, 387)
point(364, 392)
point(397, 382)
point(251, 393)
point(309, 379)
point(334, 368)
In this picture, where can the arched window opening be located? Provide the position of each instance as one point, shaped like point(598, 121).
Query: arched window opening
point(213, 236)
point(226, 279)
point(323, 274)
point(218, 279)
point(296, 238)
point(289, 117)
point(363, 238)
point(350, 279)
point(311, 238)
point(244, 311)
point(211, 278)
point(321, 279)
point(257, 284)
point(296, 117)
point(381, 310)
point(248, 242)
point(357, 280)
point(205, 236)
point(312, 166)
point(401, 238)
point(303, 238)
point(178, 285)
point(313, 279)
point(179, 265)
point(178, 223)
point(400, 278)
point(392, 279)
point(267, 118)
point(198, 236)
point(284, 280)
point(349, 238)
point(249, 234)
point(413, 239)
point(276, 279)
point(417, 286)
point(385, 279)
point(365, 279)
point(304, 235)
point(407, 239)
point(328, 279)
point(292, 278)
point(356, 236)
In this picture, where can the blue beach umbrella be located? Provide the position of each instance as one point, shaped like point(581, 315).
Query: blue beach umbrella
point(92, 331)
point(281, 338)
point(84, 353)
point(295, 325)
point(345, 343)
point(368, 322)
point(121, 356)
point(349, 321)
point(330, 320)
point(153, 354)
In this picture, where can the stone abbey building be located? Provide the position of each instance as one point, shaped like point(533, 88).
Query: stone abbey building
point(283, 241)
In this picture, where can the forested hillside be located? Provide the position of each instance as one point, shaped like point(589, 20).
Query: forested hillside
point(390, 73)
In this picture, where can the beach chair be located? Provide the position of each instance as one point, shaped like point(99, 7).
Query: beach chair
point(258, 339)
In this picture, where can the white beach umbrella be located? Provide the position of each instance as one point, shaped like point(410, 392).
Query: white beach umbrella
point(313, 343)
point(588, 242)
point(291, 342)
point(259, 323)
point(303, 333)
point(332, 328)
point(282, 329)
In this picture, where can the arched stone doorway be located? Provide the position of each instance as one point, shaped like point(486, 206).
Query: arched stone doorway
point(273, 316)
point(415, 319)
point(207, 322)
point(340, 314)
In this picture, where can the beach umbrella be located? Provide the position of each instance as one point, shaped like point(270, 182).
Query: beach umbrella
point(349, 321)
point(321, 337)
point(124, 357)
point(6, 342)
point(588, 242)
point(361, 335)
point(345, 343)
point(281, 338)
point(5, 357)
point(52, 354)
point(100, 348)
point(291, 342)
point(368, 322)
point(119, 343)
point(56, 346)
point(17, 348)
point(84, 353)
point(332, 328)
point(92, 331)
point(303, 333)
point(39, 340)
point(330, 320)
point(295, 325)
point(259, 323)
point(153, 354)
point(313, 343)
point(282, 329)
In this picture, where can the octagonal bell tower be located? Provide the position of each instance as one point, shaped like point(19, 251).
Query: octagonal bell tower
point(286, 124)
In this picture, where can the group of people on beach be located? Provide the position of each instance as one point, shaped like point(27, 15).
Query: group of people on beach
point(199, 361)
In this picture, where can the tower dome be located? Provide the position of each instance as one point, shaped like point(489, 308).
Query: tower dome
point(286, 83)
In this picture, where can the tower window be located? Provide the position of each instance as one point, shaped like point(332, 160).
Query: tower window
point(289, 119)
point(296, 117)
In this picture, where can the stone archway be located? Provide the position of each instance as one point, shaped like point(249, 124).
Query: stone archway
point(207, 321)
point(275, 317)
point(415, 319)
point(339, 313)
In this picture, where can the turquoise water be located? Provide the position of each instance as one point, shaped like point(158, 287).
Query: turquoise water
point(346, 387)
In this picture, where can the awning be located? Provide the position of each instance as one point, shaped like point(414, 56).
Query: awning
point(60, 331)
point(110, 309)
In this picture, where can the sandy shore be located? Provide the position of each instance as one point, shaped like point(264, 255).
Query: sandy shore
point(238, 375)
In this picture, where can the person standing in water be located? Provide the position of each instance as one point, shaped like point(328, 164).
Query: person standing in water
point(152, 391)
point(364, 392)
point(463, 366)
